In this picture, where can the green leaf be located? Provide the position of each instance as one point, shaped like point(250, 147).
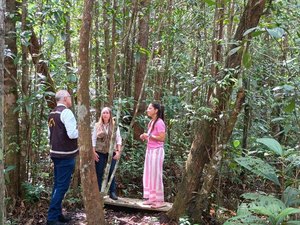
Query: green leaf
point(265, 205)
point(245, 220)
point(291, 196)
point(249, 31)
point(277, 119)
point(285, 213)
point(272, 144)
point(276, 32)
point(234, 50)
point(262, 210)
point(290, 107)
point(294, 222)
point(247, 60)
point(9, 168)
point(259, 167)
point(236, 143)
point(210, 2)
point(257, 33)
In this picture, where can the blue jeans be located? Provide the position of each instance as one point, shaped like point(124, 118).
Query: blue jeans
point(63, 169)
point(100, 167)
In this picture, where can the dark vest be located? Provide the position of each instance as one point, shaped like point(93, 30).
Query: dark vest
point(61, 145)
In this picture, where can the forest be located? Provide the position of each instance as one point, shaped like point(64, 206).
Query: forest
point(226, 72)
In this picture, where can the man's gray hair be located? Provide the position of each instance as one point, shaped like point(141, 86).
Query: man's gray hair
point(61, 94)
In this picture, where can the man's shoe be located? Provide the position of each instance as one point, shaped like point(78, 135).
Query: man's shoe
point(113, 196)
point(64, 219)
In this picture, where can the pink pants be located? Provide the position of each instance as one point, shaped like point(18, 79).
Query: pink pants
point(153, 175)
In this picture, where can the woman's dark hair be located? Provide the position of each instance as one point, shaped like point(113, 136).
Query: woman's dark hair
point(160, 113)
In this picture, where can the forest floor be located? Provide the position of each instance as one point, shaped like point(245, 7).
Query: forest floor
point(122, 216)
point(113, 216)
point(37, 215)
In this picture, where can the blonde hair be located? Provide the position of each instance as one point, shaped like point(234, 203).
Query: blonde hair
point(101, 122)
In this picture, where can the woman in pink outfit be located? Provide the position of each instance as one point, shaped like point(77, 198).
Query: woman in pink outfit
point(153, 167)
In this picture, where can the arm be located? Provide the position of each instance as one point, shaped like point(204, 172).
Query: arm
point(160, 137)
point(68, 119)
point(160, 131)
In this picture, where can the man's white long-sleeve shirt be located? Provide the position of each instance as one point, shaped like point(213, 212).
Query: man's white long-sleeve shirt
point(68, 119)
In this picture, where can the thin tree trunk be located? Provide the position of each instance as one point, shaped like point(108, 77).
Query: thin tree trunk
point(230, 25)
point(69, 72)
point(106, 22)
point(11, 124)
point(42, 68)
point(141, 65)
point(113, 56)
point(203, 145)
point(246, 119)
point(93, 202)
point(25, 125)
point(2, 47)
point(129, 69)
point(216, 45)
point(67, 45)
point(98, 69)
point(126, 71)
point(159, 72)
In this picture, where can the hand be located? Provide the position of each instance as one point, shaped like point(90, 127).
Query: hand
point(117, 155)
point(96, 156)
point(144, 136)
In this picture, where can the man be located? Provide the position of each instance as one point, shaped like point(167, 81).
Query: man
point(63, 135)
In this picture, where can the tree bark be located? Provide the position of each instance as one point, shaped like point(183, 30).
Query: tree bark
point(218, 35)
point(68, 53)
point(98, 69)
point(42, 68)
point(126, 71)
point(214, 164)
point(106, 22)
point(2, 47)
point(11, 124)
point(25, 124)
point(111, 83)
point(204, 145)
point(141, 66)
point(93, 202)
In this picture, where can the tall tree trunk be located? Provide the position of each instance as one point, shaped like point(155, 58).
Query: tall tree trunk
point(42, 68)
point(216, 45)
point(91, 197)
point(69, 72)
point(106, 22)
point(203, 146)
point(25, 125)
point(129, 69)
point(247, 117)
point(67, 45)
point(11, 125)
point(98, 69)
point(2, 47)
point(141, 65)
point(230, 26)
point(111, 85)
point(126, 71)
